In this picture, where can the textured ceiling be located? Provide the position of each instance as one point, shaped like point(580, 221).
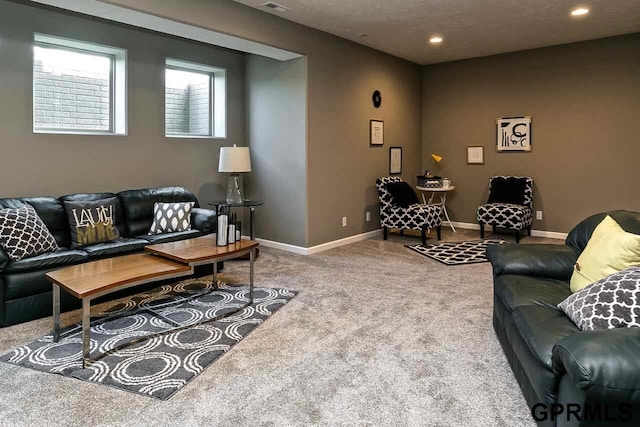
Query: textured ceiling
point(470, 28)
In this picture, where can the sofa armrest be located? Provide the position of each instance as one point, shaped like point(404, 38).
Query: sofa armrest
point(204, 220)
point(4, 259)
point(604, 364)
point(548, 261)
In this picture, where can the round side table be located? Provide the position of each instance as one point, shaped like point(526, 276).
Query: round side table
point(443, 199)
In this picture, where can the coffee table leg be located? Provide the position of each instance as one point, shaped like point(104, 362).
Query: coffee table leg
point(215, 275)
point(252, 258)
point(86, 332)
point(56, 313)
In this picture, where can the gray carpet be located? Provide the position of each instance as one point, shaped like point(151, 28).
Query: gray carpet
point(378, 335)
point(156, 353)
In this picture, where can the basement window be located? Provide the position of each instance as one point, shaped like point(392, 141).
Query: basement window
point(78, 87)
point(195, 100)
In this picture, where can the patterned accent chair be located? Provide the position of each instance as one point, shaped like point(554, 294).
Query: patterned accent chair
point(415, 217)
point(508, 215)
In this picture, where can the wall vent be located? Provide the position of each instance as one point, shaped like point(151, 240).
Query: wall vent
point(275, 6)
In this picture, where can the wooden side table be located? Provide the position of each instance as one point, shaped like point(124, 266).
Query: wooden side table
point(443, 199)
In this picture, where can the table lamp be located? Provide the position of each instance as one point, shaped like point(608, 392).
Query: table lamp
point(234, 160)
point(436, 159)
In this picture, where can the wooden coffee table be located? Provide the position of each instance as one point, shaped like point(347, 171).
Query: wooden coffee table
point(203, 250)
point(164, 261)
point(97, 278)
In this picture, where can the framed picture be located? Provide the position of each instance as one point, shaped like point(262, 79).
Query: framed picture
point(376, 132)
point(513, 134)
point(395, 160)
point(475, 155)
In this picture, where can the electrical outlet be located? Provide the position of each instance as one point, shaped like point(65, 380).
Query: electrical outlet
point(344, 221)
point(539, 215)
point(367, 216)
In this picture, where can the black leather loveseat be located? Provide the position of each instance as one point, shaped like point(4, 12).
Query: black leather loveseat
point(25, 292)
point(587, 378)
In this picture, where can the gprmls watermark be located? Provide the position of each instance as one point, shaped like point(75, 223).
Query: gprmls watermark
point(593, 412)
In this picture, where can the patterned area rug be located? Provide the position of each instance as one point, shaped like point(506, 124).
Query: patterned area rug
point(158, 366)
point(457, 253)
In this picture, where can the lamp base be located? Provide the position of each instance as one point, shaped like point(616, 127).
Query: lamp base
point(235, 193)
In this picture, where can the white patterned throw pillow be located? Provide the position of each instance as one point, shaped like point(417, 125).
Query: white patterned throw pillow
point(171, 217)
point(23, 234)
point(612, 302)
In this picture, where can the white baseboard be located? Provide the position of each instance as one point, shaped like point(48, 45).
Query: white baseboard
point(536, 233)
point(318, 248)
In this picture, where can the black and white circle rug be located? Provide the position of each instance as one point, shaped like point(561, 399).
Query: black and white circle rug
point(160, 365)
point(457, 253)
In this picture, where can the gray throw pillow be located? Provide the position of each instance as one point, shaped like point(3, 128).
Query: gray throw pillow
point(92, 221)
point(23, 234)
point(171, 217)
point(611, 302)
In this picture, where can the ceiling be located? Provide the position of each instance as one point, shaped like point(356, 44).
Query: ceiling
point(470, 28)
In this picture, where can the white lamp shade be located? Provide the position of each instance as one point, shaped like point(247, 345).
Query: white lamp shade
point(234, 159)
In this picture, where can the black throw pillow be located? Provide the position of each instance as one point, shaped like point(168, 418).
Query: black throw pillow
point(508, 190)
point(92, 222)
point(402, 194)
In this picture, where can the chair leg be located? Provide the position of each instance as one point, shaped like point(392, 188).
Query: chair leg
point(385, 232)
point(439, 231)
point(517, 236)
point(424, 235)
point(481, 230)
point(402, 231)
point(529, 230)
point(493, 228)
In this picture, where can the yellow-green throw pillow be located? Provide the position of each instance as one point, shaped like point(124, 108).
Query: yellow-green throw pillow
point(610, 249)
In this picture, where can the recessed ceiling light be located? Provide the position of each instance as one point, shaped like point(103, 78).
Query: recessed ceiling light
point(580, 11)
point(276, 6)
point(435, 39)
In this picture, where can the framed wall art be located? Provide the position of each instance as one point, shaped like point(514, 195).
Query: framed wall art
point(395, 160)
point(475, 155)
point(513, 134)
point(376, 132)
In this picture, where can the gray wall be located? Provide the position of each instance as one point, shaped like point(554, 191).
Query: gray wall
point(41, 164)
point(584, 99)
point(342, 75)
point(276, 130)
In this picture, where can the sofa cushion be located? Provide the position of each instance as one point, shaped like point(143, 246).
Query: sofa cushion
point(610, 249)
point(611, 302)
point(116, 247)
point(52, 213)
point(59, 258)
point(91, 197)
point(402, 194)
point(581, 233)
point(542, 327)
point(170, 237)
point(138, 205)
point(516, 291)
point(50, 210)
point(509, 190)
point(531, 344)
point(171, 217)
point(23, 234)
point(92, 222)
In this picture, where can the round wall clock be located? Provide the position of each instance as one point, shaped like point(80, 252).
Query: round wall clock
point(377, 99)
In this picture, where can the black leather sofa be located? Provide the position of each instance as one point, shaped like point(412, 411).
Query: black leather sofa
point(587, 378)
point(25, 292)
